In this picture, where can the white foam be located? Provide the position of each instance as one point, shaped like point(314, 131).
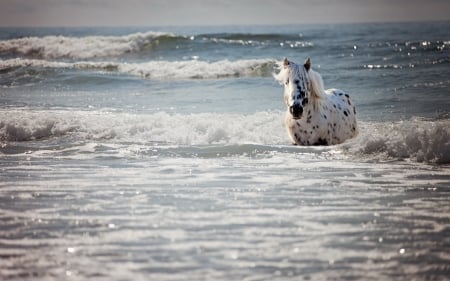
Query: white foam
point(158, 69)
point(192, 129)
point(198, 69)
point(53, 47)
point(416, 140)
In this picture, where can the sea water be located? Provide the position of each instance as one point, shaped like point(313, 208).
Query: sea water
point(161, 154)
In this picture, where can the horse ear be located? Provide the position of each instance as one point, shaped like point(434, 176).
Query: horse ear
point(308, 64)
point(285, 62)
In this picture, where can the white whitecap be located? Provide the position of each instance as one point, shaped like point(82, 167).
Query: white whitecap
point(54, 47)
point(189, 69)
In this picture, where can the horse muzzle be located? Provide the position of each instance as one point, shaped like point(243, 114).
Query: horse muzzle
point(296, 110)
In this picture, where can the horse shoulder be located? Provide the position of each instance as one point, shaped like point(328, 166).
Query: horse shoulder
point(341, 102)
point(342, 124)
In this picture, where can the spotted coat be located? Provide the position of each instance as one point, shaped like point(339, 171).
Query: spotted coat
point(332, 123)
point(322, 117)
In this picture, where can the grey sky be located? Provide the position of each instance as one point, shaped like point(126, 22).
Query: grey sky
point(215, 12)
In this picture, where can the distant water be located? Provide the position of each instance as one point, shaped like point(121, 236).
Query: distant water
point(160, 154)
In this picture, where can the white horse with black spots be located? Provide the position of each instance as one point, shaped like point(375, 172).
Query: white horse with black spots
point(315, 116)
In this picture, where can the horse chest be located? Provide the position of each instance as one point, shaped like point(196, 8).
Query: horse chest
point(332, 123)
point(309, 130)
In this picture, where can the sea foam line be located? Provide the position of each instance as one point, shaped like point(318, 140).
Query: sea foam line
point(416, 139)
point(54, 47)
point(183, 129)
point(191, 69)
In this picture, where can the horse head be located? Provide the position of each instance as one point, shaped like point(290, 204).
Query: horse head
point(297, 86)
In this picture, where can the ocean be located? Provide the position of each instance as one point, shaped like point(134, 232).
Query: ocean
point(160, 153)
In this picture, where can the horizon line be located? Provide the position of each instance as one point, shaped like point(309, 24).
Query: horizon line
point(406, 21)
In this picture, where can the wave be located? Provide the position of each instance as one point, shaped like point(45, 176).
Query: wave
point(55, 47)
point(192, 69)
point(415, 140)
point(161, 127)
point(292, 40)
point(413, 64)
point(252, 36)
point(65, 47)
point(195, 69)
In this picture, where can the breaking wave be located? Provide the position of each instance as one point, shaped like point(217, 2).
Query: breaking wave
point(55, 47)
point(414, 140)
point(88, 47)
point(191, 69)
point(173, 129)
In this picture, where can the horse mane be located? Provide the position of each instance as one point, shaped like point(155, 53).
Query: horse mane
point(317, 88)
point(282, 76)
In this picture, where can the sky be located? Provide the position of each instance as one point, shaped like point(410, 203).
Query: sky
point(215, 12)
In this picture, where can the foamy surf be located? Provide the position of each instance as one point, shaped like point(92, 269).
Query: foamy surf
point(189, 69)
point(415, 140)
point(87, 47)
point(57, 47)
point(161, 127)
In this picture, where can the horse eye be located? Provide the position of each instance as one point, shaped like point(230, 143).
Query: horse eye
point(287, 82)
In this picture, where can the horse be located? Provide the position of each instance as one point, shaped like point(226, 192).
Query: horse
point(315, 116)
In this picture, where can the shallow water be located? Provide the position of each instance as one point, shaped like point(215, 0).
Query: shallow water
point(161, 154)
point(260, 213)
